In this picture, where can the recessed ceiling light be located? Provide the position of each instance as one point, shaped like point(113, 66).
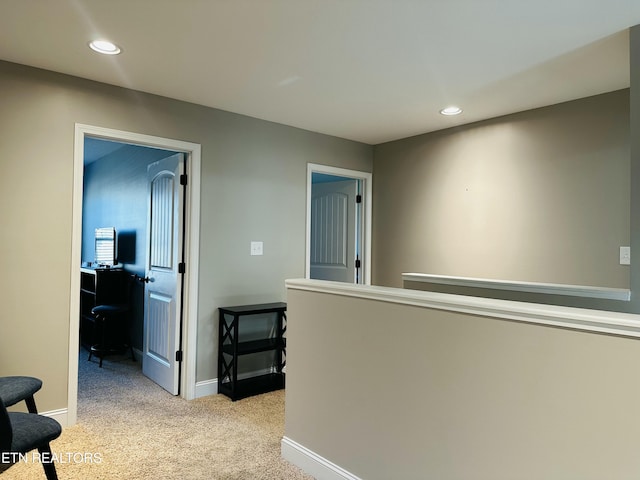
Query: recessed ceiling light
point(105, 47)
point(453, 110)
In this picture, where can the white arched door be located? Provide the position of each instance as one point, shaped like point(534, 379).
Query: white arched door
point(161, 341)
point(334, 226)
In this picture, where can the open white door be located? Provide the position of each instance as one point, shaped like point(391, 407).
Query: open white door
point(334, 231)
point(161, 342)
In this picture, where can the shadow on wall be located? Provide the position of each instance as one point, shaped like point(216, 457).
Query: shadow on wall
point(127, 246)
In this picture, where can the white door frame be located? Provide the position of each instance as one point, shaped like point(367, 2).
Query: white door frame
point(191, 246)
point(366, 178)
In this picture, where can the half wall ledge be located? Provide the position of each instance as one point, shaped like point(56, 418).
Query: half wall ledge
point(585, 291)
point(597, 321)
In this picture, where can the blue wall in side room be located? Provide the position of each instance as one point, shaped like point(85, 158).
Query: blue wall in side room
point(115, 195)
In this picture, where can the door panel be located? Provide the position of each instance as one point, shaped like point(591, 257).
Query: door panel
point(160, 312)
point(162, 201)
point(162, 295)
point(333, 231)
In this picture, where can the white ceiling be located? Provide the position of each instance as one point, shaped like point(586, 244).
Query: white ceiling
point(367, 70)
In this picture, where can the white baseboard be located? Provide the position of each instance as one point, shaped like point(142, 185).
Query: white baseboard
point(59, 415)
point(210, 387)
point(310, 462)
point(206, 388)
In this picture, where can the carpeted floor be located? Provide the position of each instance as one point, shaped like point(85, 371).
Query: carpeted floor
point(129, 428)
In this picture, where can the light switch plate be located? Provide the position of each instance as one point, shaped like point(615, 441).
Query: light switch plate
point(256, 248)
point(625, 255)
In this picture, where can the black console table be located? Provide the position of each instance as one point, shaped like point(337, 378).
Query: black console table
point(232, 348)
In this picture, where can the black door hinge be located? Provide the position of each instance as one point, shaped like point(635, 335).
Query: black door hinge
point(357, 263)
point(183, 179)
point(358, 198)
point(182, 268)
point(179, 356)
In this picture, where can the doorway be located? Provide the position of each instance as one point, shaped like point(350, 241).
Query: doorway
point(191, 215)
point(338, 239)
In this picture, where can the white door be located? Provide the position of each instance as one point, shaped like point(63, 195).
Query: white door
point(161, 340)
point(333, 231)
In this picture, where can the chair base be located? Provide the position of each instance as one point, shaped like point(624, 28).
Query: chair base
point(111, 335)
point(49, 467)
point(102, 352)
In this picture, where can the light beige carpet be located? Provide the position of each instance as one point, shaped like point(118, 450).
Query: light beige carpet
point(129, 428)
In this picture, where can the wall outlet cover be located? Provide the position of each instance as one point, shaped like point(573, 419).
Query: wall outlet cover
point(625, 255)
point(256, 248)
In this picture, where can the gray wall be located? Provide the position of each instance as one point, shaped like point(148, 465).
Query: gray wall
point(253, 188)
point(540, 196)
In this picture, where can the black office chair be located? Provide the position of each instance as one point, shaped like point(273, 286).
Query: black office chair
point(18, 388)
point(112, 326)
point(22, 432)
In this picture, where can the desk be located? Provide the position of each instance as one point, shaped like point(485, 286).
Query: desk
point(98, 286)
